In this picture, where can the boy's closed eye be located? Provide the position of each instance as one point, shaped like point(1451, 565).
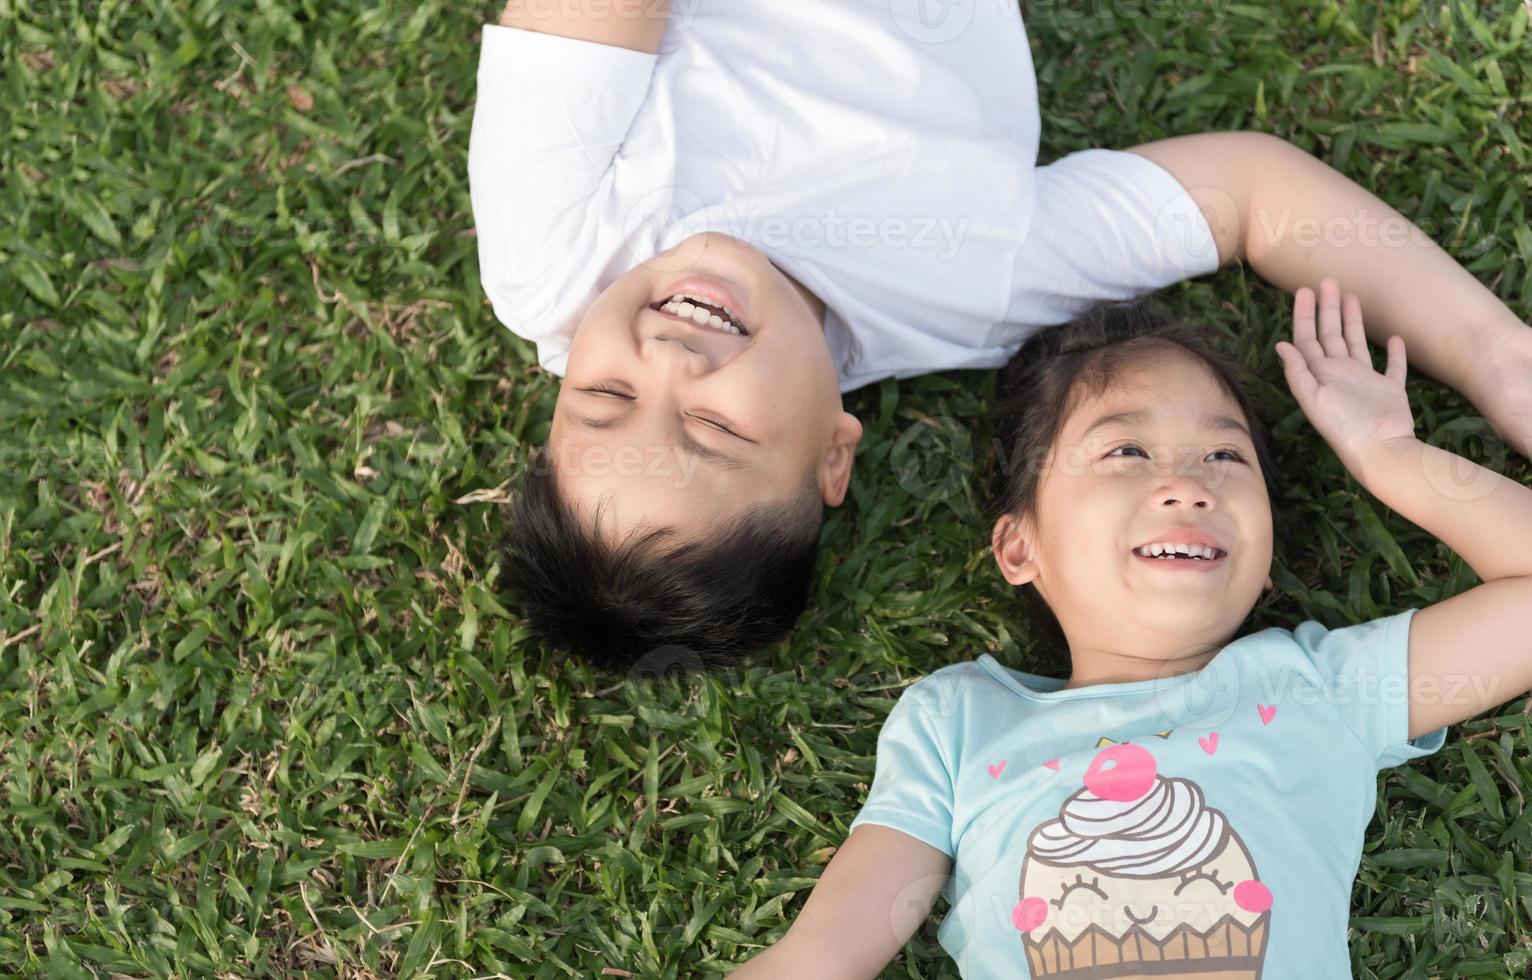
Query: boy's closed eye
point(610, 391)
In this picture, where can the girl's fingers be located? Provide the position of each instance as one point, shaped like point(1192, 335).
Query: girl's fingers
point(1330, 338)
point(1296, 368)
point(1356, 335)
point(1396, 368)
point(1304, 338)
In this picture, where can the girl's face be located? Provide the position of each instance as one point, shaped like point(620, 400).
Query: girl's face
point(1164, 449)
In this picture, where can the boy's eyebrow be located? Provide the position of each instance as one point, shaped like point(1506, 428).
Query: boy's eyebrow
point(721, 460)
point(1142, 415)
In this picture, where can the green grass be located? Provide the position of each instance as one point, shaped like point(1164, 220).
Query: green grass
point(260, 713)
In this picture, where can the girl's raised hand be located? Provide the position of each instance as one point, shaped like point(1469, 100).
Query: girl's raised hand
point(1356, 409)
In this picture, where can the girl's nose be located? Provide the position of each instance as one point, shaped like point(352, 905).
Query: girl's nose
point(1185, 492)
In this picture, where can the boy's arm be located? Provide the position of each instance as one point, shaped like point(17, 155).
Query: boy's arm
point(553, 108)
point(868, 902)
point(633, 24)
point(1296, 219)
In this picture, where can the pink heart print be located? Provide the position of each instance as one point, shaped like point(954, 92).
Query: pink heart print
point(1267, 712)
point(997, 769)
point(1209, 742)
point(1052, 764)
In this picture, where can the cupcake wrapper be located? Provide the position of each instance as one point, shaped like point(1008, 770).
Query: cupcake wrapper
point(1227, 951)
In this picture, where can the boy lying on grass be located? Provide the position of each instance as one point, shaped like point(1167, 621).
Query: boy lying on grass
point(711, 238)
point(1185, 795)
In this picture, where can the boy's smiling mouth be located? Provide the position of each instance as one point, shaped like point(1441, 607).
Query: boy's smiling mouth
point(700, 314)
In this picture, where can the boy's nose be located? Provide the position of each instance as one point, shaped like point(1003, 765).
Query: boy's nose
point(678, 340)
point(677, 353)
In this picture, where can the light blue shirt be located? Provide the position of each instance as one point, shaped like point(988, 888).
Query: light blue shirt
point(1215, 815)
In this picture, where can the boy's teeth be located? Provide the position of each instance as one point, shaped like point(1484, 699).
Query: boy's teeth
point(699, 301)
point(700, 316)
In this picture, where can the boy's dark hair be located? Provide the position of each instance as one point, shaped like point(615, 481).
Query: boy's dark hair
point(1060, 366)
point(639, 607)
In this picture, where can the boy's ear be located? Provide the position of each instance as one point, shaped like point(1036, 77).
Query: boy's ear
point(1012, 552)
point(835, 469)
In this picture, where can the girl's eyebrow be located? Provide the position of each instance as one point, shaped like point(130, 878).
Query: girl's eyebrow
point(1141, 415)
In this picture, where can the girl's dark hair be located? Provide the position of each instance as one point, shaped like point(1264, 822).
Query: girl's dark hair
point(1055, 370)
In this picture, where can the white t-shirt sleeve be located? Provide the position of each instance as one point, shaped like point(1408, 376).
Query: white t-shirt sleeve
point(912, 788)
point(1364, 671)
point(1107, 225)
point(550, 119)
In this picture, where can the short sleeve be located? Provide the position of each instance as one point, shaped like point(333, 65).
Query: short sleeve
point(1364, 672)
point(550, 118)
point(1106, 225)
point(912, 783)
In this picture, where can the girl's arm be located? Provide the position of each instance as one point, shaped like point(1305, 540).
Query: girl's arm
point(1294, 219)
point(868, 902)
point(1473, 651)
point(633, 24)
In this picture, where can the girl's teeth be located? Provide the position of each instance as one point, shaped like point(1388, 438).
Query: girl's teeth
point(1192, 552)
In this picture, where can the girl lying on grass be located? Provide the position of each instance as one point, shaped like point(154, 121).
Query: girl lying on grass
point(1187, 803)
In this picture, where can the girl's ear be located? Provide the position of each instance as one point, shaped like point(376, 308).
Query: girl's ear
point(1012, 550)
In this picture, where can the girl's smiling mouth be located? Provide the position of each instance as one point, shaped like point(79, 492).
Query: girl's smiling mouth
point(1183, 548)
point(1184, 563)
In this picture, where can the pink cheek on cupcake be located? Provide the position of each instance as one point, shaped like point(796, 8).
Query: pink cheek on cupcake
point(1252, 896)
point(1029, 913)
point(1128, 777)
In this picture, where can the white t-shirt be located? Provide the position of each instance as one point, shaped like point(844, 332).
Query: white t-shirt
point(882, 152)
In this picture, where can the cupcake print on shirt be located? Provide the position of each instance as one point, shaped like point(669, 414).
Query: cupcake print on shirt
point(1138, 878)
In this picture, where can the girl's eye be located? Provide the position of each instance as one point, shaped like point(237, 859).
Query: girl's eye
point(1237, 457)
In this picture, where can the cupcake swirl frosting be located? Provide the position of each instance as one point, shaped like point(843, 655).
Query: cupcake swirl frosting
point(1165, 831)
